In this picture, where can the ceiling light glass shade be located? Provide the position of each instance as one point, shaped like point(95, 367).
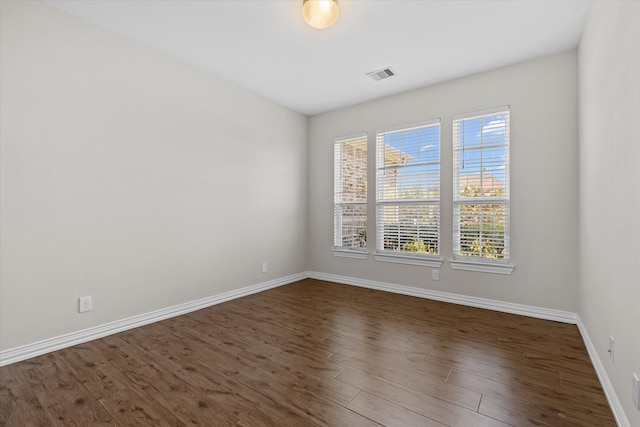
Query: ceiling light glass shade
point(320, 14)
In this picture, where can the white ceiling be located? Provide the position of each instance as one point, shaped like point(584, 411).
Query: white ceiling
point(266, 47)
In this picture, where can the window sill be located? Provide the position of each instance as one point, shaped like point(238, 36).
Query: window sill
point(350, 253)
point(483, 267)
point(408, 259)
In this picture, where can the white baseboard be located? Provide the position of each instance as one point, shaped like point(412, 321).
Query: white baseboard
point(612, 397)
point(507, 307)
point(63, 341)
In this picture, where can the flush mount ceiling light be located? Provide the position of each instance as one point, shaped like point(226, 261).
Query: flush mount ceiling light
point(320, 14)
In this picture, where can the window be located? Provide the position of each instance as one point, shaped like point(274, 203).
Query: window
point(350, 196)
point(481, 191)
point(408, 194)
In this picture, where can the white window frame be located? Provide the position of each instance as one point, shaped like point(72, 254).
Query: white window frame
point(340, 250)
point(480, 263)
point(405, 257)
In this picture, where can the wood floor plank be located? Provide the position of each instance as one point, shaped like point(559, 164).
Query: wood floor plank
point(397, 341)
point(295, 317)
point(483, 385)
point(506, 372)
point(463, 349)
point(258, 351)
point(166, 388)
point(394, 364)
point(538, 411)
point(427, 405)
point(310, 330)
point(126, 402)
point(266, 329)
point(67, 400)
point(291, 372)
point(226, 361)
point(19, 405)
point(544, 343)
point(217, 391)
point(589, 382)
point(500, 400)
point(315, 353)
point(387, 413)
point(450, 393)
point(335, 342)
point(561, 363)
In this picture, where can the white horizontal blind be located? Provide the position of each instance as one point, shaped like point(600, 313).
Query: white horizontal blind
point(481, 185)
point(350, 192)
point(408, 189)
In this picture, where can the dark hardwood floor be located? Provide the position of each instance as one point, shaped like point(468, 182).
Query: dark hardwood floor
point(316, 353)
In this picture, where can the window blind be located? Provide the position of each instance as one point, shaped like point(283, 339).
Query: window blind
point(481, 185)
point(350, 192)
point(408, 189)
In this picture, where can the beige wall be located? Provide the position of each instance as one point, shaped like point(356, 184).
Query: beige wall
point(130, 177)
point(609, 70)
point(544, 181)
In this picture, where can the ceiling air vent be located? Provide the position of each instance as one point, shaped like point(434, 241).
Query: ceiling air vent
point(385, 73)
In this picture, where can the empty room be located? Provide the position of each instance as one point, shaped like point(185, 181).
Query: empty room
point(319, 213)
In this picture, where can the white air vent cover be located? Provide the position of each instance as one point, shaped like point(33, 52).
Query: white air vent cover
point(385, 73)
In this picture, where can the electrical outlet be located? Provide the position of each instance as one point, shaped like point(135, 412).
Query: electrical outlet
point(85, 304)
point(611, 347)
point(264, 267)
point(636, 398)
point(435, 274)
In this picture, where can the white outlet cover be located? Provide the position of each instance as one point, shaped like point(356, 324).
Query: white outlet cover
point(611, 348)
point(85, 304)
point(636, 392)
point(435, 274)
